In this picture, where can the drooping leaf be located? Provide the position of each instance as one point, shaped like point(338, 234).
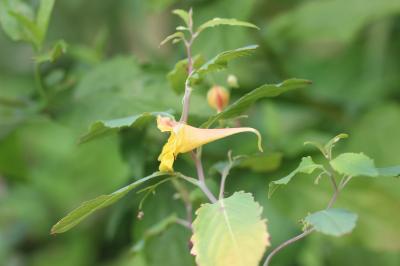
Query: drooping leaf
point(174, 36)
point(59, 48)
point(354, 164)
point(230, 232)
point(306, 166)
point(268, 90)
point(105, 127)
point(225, 21)
point(335, 222)
point(220, 61)
point(89, 207)
point(43, 17)
point(177, 76)
point(184, 15)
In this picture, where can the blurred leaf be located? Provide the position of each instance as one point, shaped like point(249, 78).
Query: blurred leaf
point(59, 48)
point(317, 20)
point(88, 207)
point(220, 61)
point(268, 90)
point(335, 222)
point(233, 227)
point(43, 17)
point(354, 164)
point(307, 166)
point(184, 15)
point(154, 231)
point(224, 21)
point(105, 127)
point(393, 171)
point(177, 76)
point(175, 36)
point(262, 163)
point(326, 149)
point(10, 23)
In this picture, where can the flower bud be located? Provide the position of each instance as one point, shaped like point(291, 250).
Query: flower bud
point(232, 81)
point(218, 97)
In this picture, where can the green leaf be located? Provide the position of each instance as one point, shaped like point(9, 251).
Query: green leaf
point(335, 222)
point(177, 76)
point(175, 36)
point(230, 232)
point(89, 207)
point(306, 166)
point(184, 15)
point(43, 17)
point(29, 27)
point(326, 149)
point(154, 231)
point(268, 90)
point(220, 61)
point(59, 48)
point(393, 171)
point(10, 23)
point(224, 21)
point(105, 127)
point(354, 164)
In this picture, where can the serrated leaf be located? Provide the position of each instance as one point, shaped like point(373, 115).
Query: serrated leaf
point(306, 166)
point(177, 35)
point(89, 207)
point(354, 164)
point(43, 17)
point(184, 15)
point(230, 232)
point(225, 21)
point(335, 222)
point(177, 76)
point(59, 48)
point(105, 127)
point(268, 90)
point(220, 61)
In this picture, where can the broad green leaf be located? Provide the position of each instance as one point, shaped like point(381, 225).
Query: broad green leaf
point(230, 232)
point(225, 21)
point(10, 23)
point(43, 17)
point(89, 207)
point(334, 222)
point(29, 28)
point(105, 127)
point(184, 15)
point(306, 166)
point(268, 90)
point(220, 61)
point(354, 164)
point(154, 231)
point(175, 36)
point(59, 48)
point(177, 76)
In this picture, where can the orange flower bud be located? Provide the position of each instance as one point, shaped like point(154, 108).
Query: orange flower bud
point(218, 97)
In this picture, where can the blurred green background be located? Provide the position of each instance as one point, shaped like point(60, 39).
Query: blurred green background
point(114, 67)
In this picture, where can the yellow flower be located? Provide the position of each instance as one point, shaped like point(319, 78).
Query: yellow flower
point(185, 138)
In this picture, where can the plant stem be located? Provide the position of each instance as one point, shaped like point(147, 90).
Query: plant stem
point(307, 231)
point(200, 173)
point(39, 83)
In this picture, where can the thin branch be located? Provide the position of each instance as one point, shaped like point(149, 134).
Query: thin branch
point(200, 173)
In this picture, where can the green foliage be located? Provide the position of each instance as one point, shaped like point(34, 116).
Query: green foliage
point(307, 166)
point(105, 127)
point(59, 48)
point(87, 208)
point(242, 236)
point(177, 76)
point(335, 222)
point(224, 21)
point(265, 91)
point(220, 61)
